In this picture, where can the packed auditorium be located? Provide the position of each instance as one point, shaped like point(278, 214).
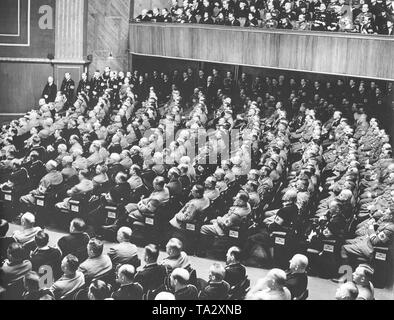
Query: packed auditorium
point(196, 150)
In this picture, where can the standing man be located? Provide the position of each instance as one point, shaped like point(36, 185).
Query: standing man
point(97, 86)
point(68, 87)
point(50, 90)
point(84, 85)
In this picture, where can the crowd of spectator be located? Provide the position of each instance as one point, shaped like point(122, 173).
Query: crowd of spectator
point(133, 141)
point(363, 16)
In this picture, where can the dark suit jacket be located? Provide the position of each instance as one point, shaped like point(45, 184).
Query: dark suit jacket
point(235, 273)
point(151, 276)
point(188, 293)
point(131, 291)
point(215, 291)
point(175, 188)
point(50, 91)
point(297, 283)
point(50, 257)
point(120, 191)
point(75, 244)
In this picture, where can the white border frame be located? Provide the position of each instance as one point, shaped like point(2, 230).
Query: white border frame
point(28, 28)
point(19, 24)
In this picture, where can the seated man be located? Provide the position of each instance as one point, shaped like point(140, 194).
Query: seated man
point(97, 263)
point(160, 193)
point(71, 280)
point(15, 267)
point(297, 278)
point(176, 257)
point(28, 231)
point(251, 188)
point(217, 288)
point(135, 180)
point(235, 216)
point(129, 289)
point(45, 255)
point(347, 291)
point(333, 224)
point(76, 241)
point(174, 185)
point(144, 208)
point(120, 192)
point(235, 271)
point(179, 280)
point(191, 211)
point(377, 235)
point(123, 252)
point(285, 216)
point(220, 183)
point(33, 291)
point(152, 275)
point(362, 277)
point(211, 192)
point(272, 287)
point(82, 188)
point(52, 178)
point(4, 242)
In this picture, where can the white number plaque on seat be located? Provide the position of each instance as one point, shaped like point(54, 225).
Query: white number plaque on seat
point(234, 234)
point(328, 248)
point(380, 256)
point(111, 215)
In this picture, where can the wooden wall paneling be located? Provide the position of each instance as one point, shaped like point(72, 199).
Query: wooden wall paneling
point(21, 85)
point(108, 32)
point(329, 53)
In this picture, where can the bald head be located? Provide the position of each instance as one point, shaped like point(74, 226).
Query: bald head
point(299, 263)
point(347, 291)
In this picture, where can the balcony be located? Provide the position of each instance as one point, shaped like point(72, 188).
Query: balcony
point(356, 55)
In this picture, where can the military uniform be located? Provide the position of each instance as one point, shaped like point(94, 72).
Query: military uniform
point(68, 89)
point(84, 86)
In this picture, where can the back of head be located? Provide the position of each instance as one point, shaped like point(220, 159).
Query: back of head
point(124, 234)
point(71, 262)
point(77, 225)
point(175, 244)
point(217, 272)
point(41, 239)
point(152, 253)
point(99, 290)
point(199, 191)
point(165, 296)
point(15, 252)
point(181, 275)
point(299, 263)
point(290, 196)
point(95, 248)
point(127, 271)
point(159, 182)
point(347, 291)
point(276, 278)
point(28, 220)
point(235, 253)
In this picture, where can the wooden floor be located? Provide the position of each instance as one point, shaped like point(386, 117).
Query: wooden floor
point(319, 289)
